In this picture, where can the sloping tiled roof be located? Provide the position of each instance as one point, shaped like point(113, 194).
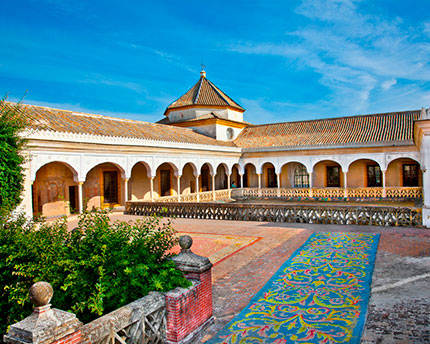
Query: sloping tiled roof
point(210, 115)
point(205, 93)
point(44, 118)
point(389, 127)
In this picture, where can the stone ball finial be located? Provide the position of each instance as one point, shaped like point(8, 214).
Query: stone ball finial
point(41, 293)
point(185, 241)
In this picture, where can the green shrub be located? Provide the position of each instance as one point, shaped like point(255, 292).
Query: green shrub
point(12, 122)
point(94, 269)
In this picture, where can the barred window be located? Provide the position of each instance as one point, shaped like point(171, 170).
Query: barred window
point(301, 177)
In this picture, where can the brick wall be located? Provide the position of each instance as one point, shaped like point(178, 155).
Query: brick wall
point(188, 309)
point(72, 338)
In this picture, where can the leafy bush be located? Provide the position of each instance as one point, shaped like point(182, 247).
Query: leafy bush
point(94, 269)
point(12, 122)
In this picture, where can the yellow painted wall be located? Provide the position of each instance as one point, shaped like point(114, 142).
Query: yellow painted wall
point(320, 176)
point(357, 173)
point(51, 190)
point(173, 181)
point(188, 180)
point(252, 176)
point(394, 174)
point(139, 184)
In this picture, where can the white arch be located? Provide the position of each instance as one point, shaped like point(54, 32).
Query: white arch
point(193, 166)
point(71, 168)
point(39, 160)
point(239, 168)
point(397, 157)
point(211, 168)
point(116, 164)
point(147, 167)
point(275, 165)
point(171, 164)
point(226, 168)
point(294, 162)
point(363, 158)
point(320, 159)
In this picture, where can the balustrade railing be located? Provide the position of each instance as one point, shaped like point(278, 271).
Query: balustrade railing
point(365, 192)
point(327, 214)
point(142, 321)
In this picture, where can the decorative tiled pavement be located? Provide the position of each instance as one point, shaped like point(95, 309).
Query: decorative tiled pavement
point(217, 247)
point(319, 295)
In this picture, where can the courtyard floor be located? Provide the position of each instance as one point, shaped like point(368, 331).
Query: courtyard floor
point(247, 254)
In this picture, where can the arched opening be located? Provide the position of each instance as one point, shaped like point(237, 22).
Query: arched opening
point(139, 185)
point(205, 178)
point(328, 173)
point(103, 187)
point(165, 181)
point(404, 172)
point(235, 177)
point(250, 178)
point(364, 173)
point(188, 179)
point(221, 177)
point(270, 180)
point(294, 175)
point(55, 192)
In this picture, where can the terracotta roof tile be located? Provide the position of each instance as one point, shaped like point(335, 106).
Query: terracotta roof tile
point(204, 92)
point(44, 118)
point(389, 127)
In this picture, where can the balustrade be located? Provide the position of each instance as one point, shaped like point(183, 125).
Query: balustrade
point(356, 215)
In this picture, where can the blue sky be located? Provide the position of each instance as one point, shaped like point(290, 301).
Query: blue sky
point(282, 60)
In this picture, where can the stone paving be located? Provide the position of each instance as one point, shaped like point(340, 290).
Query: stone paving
point(399, 308)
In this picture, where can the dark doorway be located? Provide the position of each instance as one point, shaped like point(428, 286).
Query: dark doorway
point(73, 199)
point(110, 187)
point(333, 176)
point(205, 178)
point(165, 183)
point(410, 175)
point(374, 176)
point(272, 181)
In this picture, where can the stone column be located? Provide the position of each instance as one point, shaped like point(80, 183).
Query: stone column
point(278, 177)
point(228, 182)
point(189, 311)
point(80, 197)
point(179, 188)
point(198, 188)
point(259, 184)
point(213, 187)
point(384, 190)
point(151, 180)
point(345, 184)
point(45, 325)
point(311, 185)
point(241, 181)
point(125, 190)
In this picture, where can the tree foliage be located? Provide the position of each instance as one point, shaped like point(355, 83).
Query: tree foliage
point(12, 122)
point(94, 269)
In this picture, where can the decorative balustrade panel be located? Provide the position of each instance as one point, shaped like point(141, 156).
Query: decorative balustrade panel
point(365, 192)
point(328, 192)
point(405, 192)
point(295, 192)
point(142, 321)
point(378, 216)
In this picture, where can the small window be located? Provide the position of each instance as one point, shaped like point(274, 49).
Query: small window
point(374, 177)
point(333, 176)
point(229, 133)
point(301, 177)
point(410, 175)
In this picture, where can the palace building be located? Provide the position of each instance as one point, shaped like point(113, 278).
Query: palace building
point(203, 145)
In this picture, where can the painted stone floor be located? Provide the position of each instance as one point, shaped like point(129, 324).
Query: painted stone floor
point(247, 254)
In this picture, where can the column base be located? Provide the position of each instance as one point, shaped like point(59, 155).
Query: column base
point(426, 216)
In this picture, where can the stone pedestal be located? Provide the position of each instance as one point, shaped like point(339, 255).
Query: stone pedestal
point(45, 325)
point(190, 310)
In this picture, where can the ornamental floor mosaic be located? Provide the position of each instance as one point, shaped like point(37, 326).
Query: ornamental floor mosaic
point(319, 295)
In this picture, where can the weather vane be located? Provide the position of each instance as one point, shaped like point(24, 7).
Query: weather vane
point(203, 66)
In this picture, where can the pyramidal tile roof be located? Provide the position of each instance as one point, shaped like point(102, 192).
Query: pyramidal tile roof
point(364, 129)
point(204, 92)
point(44, 118)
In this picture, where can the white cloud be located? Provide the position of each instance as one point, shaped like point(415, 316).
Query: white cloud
point(359, 56)
point(386, 85)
